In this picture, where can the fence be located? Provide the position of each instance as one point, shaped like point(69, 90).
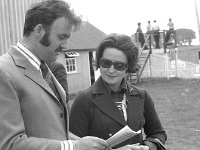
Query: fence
point(167, 65)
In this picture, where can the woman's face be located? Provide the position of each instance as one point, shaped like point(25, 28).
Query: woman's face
point(113, 75)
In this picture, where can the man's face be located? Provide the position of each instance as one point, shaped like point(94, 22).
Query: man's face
point(55, 39)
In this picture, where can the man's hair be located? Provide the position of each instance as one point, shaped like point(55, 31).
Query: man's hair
point(46, 12)
point(124, 44)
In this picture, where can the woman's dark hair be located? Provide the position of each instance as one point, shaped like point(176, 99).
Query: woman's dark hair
point(123, 43)
point(46, 12)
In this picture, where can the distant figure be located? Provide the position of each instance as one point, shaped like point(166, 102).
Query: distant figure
point(169, 32)
point(156, 34)
point(149, 31)
point(149, 27)
point(60, 74)
point(141, 36)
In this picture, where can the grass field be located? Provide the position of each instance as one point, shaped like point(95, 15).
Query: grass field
point(177, 102)
point(189, 53)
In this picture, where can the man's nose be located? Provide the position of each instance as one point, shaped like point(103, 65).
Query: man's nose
point(64, 46)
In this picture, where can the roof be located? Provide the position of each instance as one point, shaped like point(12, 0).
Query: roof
point(87, 37)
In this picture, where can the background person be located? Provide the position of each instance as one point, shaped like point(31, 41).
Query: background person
point(170, 31)
point(156, 34)
point(112, 102)
point(58, 70)
point(149, 32)
point(149, 27)
point(34, 116)
point(140, 35)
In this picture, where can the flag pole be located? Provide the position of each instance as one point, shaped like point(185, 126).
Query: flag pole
point(197, 16)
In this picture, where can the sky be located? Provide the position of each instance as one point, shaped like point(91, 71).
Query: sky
point(122, 16)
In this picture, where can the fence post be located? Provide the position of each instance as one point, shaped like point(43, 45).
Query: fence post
point(164, 43)
point(150, 69)
point(166, 66)
point(176, 67)
point(199, 57)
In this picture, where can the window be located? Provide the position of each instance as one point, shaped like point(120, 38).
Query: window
point(71, 65)
point(71, 54)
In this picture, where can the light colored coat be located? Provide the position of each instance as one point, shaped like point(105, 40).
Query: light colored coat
point(31, 116)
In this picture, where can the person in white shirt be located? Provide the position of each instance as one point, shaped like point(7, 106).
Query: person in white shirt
point(156, 34)
point(169, 32)
point(149, 28)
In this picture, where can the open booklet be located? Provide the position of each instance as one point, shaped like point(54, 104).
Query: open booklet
point(121, 136)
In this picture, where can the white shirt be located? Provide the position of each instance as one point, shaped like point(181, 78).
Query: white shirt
point(155, 26)
point(170, 25)
point(31, 58)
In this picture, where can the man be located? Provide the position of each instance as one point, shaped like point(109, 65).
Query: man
point(141, 36)
point(169, 32)
point(149, 27)
point(156, 34)
point(34, 115)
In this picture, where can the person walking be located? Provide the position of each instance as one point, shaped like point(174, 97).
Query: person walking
point(33, 108)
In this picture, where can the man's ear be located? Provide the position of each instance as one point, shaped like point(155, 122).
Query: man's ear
point(39, 31)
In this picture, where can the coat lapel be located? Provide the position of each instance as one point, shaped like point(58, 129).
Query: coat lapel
point(30, 71)
point(104, 103)
point(135, 108)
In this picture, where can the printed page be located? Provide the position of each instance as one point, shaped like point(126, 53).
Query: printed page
point(121, 136)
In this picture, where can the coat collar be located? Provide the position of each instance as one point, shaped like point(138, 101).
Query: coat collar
point(32, 73)
point(103, 100)
point(99, 88)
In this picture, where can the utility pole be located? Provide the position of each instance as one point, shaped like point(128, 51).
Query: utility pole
point(197, 16)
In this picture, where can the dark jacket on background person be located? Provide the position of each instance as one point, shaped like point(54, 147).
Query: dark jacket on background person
point(60, 74)
point(93, 113)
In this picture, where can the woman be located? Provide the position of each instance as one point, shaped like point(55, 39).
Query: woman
point(98, 111)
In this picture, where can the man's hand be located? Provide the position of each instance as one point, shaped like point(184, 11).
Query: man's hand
point(133, 147)
point(90, 143)
point(73, 136)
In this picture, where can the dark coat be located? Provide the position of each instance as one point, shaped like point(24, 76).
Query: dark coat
point(60, 73)
point(94, 113)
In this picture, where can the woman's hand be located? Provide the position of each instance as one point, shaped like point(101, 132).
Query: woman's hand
point(133, 147)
